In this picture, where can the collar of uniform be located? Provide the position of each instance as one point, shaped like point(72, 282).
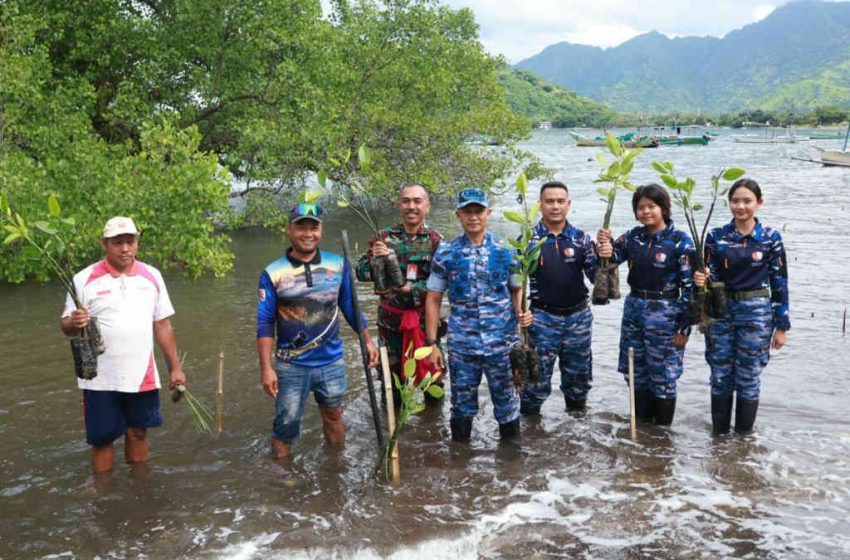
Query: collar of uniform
point(465, 242)
point(660, 234)
point(398, 229)
point(132, 271)
point(757, 234)
point(298, 262)
point(542, 231)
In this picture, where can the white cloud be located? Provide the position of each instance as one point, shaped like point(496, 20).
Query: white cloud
point(520, 29)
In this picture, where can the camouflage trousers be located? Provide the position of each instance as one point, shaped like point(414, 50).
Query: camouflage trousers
point(465, 372)
point(567, 339)
point(737, 347)
point(648, 326)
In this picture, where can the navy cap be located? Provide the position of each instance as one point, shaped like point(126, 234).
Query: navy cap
point(472, 196)
point(306, 211)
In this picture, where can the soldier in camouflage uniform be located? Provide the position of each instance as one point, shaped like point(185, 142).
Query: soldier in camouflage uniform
point(485, 300)
point(656, 314)
point(559, 301)
point(749, 258)
point(414, 243)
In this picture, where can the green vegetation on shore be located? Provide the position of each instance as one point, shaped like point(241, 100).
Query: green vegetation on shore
point(531, 96)
point(154, 109)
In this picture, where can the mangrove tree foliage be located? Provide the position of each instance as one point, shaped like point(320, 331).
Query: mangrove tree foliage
point(163, 109)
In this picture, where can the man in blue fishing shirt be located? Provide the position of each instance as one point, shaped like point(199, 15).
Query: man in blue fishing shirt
point(485, 301)
point(559, 301)
point(300, 297)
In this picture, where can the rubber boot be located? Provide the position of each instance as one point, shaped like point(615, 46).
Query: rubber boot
point(461, 429)
point(281, 449)
point(529, 409)
point(575, 405)
point(664, 410)
point(745, 415)
point(333, 426)
point(644, 405)
point(509, 430)
point(721, 413)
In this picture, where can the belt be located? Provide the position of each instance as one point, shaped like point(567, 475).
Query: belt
point(562, 311)
point(652, 294)
point(738, 295)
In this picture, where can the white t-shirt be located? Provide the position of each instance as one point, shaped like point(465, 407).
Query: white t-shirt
point(126, 306)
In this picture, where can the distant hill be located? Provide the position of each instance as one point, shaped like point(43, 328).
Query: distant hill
point(796, 58)
point(532, 96)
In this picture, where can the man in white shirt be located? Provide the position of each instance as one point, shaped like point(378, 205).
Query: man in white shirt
point(131, 304)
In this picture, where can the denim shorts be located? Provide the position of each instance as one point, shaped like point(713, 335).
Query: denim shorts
point(294, 384)
point(108, 414)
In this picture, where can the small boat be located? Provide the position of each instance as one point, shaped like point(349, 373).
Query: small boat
point(837, 157)
point(628, 140)
point(544, 125)
point(790, 137)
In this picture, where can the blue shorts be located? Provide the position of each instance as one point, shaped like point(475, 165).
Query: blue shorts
point(294, 383)
point(108, 414)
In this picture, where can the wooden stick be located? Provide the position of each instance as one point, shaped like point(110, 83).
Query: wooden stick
point(219, 395)
point(844, 323)
point(388, 391)
point(632, 415)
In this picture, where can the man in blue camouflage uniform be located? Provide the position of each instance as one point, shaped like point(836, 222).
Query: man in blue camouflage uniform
point(485, 301)
point(559, 301)
point(656, 313)
point(300, 297)
point(754, 270)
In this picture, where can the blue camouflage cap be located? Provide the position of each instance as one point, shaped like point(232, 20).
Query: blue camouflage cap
point(472, 196)
point(306, 211)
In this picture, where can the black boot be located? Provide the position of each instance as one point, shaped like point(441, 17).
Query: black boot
point(575, 405)
point(461, 429)
point(529, 409)
point(745, 415)
point(509, 430)
point(664, 410)
point(721, 413)
point(645, 405)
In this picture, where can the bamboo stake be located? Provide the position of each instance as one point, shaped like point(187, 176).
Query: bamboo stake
point(219, 395)
point(844, 323)
point(388, 391)
point(633, 418)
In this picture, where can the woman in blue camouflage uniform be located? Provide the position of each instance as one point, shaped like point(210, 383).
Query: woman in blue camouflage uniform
point(656, 320)
point(749, 258)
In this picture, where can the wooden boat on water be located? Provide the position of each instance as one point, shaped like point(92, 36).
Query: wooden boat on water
point(629, 140)
point(790, 137)
point(837, 157)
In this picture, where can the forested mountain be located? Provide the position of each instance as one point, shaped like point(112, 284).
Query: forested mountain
point(796, 58)
point(531, 96)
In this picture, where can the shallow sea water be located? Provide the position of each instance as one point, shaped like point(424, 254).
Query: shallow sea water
point(574, 486)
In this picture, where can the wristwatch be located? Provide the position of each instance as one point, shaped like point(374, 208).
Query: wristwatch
point(430, 342)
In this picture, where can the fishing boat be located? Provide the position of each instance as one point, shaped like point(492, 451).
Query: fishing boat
point(628, 140)
point(826, 135)
point(790, 137)
point(544, 125)
point(837, 157)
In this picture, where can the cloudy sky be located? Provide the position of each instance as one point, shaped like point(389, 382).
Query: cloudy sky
point(518, 29)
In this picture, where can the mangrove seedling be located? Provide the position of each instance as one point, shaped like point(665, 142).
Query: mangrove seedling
point(710, 300)
point(524, 357)
point(411, 395)
point(352, 193)
point(606, 284)
point(202, 416)
point(89, 344)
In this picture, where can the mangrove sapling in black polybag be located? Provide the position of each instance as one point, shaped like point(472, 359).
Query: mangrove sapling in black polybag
point(606, 284)
point(524, 361)
point(86, 347)
point(352, 193)
point(709, 300)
